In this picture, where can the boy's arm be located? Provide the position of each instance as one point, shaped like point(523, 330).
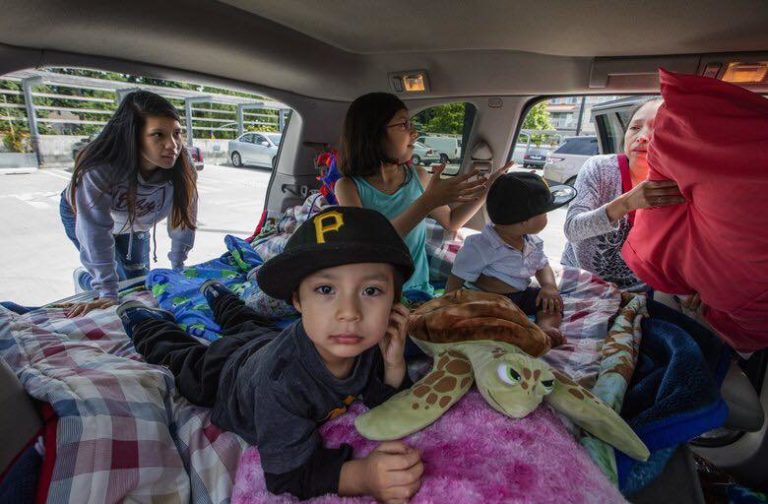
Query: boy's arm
point(320, 475)
point(546, 277)
point(453, 283)
point(292, 455)
point(548, 299)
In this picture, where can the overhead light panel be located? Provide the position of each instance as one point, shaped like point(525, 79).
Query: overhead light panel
point(411, 82)
point(746, 73)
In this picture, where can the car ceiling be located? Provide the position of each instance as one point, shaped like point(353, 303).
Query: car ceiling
point(558, 28)
point(337, 50)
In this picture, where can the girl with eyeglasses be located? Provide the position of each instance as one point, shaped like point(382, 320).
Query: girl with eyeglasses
point(377, 143)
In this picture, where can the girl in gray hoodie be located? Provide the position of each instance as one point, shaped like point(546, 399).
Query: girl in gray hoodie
point(133, 175)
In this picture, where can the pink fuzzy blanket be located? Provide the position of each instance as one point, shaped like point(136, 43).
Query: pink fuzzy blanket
point(471, 455)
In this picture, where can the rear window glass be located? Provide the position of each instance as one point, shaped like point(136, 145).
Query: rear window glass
point(582, 146)
point(443, 128)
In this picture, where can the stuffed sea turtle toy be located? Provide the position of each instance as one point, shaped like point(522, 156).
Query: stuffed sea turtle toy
point(485, 338)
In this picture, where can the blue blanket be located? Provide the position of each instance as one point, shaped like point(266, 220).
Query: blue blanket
point(674, 395)
point(178, 291)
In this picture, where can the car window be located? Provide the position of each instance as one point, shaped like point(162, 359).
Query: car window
point(259, 140)
point(562, 133)
point(444, 129)
point(581, 146)
point(70, 107)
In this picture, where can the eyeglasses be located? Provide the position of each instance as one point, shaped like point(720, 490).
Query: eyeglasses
point(404, 126)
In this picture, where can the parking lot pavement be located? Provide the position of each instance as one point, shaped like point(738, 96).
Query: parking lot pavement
point(37, 259)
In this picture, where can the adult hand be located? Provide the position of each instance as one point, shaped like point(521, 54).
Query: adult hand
point(79, 309)
point(393, 472)
point(692, 302)
point(458, 189)
point(653, 194)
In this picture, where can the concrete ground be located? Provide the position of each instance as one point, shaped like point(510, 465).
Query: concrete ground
point(37, 259)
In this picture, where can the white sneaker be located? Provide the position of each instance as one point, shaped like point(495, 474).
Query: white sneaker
point(80, 277)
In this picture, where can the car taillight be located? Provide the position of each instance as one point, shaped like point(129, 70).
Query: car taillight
point(429, 151)
point(200, 154)
point(527, 156)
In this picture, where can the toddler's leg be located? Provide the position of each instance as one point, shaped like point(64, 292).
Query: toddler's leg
point(550, 324)
point(547, 321)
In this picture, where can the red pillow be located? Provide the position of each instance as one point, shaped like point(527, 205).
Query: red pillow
point(710, 137)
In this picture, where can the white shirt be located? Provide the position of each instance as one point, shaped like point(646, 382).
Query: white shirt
point(487, 254)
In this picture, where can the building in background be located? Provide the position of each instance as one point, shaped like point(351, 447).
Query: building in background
point(572, 115)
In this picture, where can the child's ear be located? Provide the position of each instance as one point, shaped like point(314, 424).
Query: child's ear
point(295, 301)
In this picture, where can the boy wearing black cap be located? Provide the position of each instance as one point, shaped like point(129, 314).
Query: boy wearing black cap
point(343, 270)
point(507, 253)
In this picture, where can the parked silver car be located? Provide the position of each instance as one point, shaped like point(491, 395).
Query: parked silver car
point(535, 157)
point(564, 163)
point(256, 148)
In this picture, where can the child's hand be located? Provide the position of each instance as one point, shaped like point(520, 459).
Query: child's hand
point(498, 173)
point(392, 346)
point(458, 189)
point(393, 472)
point(549, 300)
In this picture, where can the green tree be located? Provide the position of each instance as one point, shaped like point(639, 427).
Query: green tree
point(538, 119)
point(448, 119)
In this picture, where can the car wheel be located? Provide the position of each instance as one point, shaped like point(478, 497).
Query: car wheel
point(571, 181)
point(236, 161)
point(415, 160)
point(444, 159)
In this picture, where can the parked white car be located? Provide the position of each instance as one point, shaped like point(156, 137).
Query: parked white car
point(564, 163)
point(256, 148)
point(447, 148)
point(423, 155)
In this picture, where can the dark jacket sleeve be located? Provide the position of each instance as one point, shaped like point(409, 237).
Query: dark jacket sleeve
point(377, 391)
point(318, 476)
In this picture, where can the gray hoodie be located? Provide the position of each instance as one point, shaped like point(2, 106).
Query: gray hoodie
point(102, 212)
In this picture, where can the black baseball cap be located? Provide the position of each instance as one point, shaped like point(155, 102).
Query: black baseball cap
point(334, 237)
point(516, 197)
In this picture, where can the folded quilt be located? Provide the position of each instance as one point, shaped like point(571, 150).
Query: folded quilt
point(123, 432)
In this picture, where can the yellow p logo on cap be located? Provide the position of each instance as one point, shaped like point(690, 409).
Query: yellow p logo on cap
point(336, 221)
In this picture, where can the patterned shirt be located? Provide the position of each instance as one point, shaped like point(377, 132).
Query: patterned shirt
point(594, 243)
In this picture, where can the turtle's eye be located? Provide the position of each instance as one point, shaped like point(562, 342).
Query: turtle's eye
point(507, 374)
point(548, 384)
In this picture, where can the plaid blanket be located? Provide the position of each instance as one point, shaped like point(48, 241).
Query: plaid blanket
point(123, 433)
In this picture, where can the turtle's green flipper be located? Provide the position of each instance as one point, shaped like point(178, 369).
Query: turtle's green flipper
point(411, 410)
point(593, 415)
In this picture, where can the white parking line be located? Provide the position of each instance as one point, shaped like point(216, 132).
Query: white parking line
point(54, 172)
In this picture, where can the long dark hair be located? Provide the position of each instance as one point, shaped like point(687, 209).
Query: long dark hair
point(118, 145)
point(365, 128)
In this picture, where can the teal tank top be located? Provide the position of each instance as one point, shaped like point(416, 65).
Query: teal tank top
point(392, 205)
